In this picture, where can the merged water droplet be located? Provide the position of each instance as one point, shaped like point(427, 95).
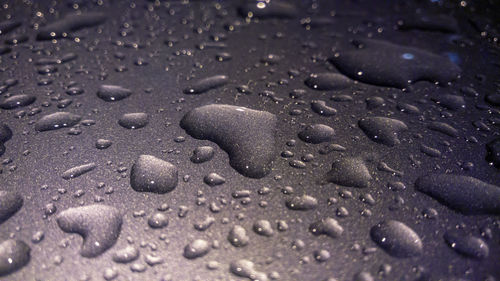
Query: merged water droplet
point(249, 142)
point(302, 203)
point(197, 248)
point(326, 226)
point(263, 227)
point(322, 109)
point(99, 226)
point(382, 63)
point(246, 268)
point(238, 236)
point(126, 255)
point(465, 194)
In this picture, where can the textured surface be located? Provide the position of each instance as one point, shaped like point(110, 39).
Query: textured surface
point(299, 140)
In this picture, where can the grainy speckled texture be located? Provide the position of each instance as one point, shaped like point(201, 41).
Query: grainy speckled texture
point(158, 49)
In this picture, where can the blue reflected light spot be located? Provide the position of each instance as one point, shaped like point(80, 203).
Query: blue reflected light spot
point(453, 57)
point(407, 56)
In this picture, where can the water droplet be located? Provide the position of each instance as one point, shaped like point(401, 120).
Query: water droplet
point(249, 142)
point(56, 121)
point(382, 129)
point(134, 120)
point(10, 203)
point(203, 85)
point(14, 254)
point(397, 239)
point(112, 93)
point(99, 226)
point(462, 193)
point(151, 174)
point(197, 248)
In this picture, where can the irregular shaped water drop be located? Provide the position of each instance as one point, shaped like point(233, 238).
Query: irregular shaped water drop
point(302, 203)
point(466, 244)
point(14, 254)
point(70, 23)
point(78, 171)
point(443, 128)
point(246, 268)
point(151, 174)
point(103, 143)
point(263, 227)
point(493, 99)
point(8, 25)
point(203, 85)
point(10, 203)
point(247, 135)
point(326, 226)
point(5, 133)
point(238, 236)
point(441, 23)
point(158, 220)
point(56, 121)
point(451, 102)
point(385, 64)
point(432, 152)
point(134, 120)
point(328, 81)
point(17, 101)
point(202, 154)
point(465, 194)
point(197, 248)
point(322, 109)
point(264, 10)
point(214, 179)
point(349, 171)
point(382, 129)
point(493, 152)
point(99, 226)
point(397, 239)
point(321, 255)
point(317, 133)
point(126, 255)
point(112, 93)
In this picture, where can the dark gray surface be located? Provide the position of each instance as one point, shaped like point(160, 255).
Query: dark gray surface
point(158, 44)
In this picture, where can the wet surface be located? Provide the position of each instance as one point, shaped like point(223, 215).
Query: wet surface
point(249, 140)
